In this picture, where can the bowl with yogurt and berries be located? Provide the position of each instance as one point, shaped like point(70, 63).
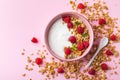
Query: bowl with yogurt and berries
point(69, 36)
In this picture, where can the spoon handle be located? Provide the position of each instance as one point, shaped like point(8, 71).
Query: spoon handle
point(89, 63)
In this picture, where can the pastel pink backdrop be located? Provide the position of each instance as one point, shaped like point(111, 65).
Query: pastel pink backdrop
point(20, 20)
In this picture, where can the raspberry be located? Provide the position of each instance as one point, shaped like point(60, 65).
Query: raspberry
point(101, 21)
point(72, 39)
point(67, 51)
point(80, 46)
point(60, 70)
point(80, 6)
point(113, 37)
point(108, 52)
point(80, 30)
point(91, 71)
point(34, 40)
point(70, 25)
point(38, 61)
point(104, 66)
point(86, 44)
point(66, 19)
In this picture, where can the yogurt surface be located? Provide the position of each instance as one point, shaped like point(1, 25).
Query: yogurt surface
point(58, 37)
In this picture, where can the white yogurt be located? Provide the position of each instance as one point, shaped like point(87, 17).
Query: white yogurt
point(58, 37)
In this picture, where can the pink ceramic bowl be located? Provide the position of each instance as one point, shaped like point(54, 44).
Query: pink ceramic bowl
point(74, 14)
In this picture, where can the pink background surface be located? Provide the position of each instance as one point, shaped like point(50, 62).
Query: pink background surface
point(20, 20)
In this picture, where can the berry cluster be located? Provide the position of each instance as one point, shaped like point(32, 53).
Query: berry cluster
point(73, 38)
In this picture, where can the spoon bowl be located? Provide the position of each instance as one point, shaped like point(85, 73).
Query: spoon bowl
point(103, 42)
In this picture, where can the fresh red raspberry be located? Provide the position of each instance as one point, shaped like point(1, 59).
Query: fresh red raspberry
point(86, 44)
point(72, 39)
point(70, 25)
point(38, 61)
point(80, 46)
point(60, 70)
point(101, 21)
point(34, 40)
point(104, 66)
point(80, 6)
point(80, 30)
point(108, 52)
point(91, 71)
point(113, 37)
point(67, 51)
point(66, 19)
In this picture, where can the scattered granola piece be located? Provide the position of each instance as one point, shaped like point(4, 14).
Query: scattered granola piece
point(24, 75)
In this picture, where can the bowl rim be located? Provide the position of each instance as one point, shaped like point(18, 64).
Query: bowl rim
point(85, 21)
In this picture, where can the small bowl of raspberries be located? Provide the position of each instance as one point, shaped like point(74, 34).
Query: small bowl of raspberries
point(69, 36)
